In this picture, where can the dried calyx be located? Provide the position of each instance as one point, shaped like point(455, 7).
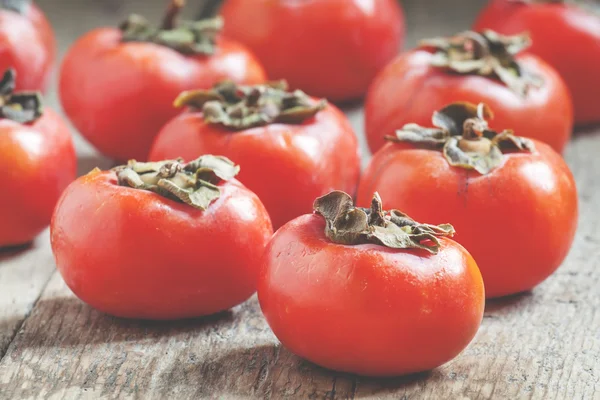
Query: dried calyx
point(243, 107)
point(187, 37)
point(194, 183)
point(22, 107)
point(349, 225)
point(462, 133)
point(19, 6)
point(487, 54)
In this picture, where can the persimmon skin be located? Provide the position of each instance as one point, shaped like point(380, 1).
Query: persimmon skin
point(39, 162)
point(132, 253)
point(565, 36)
point(28, 45)
point(410, 89)
point(119, 95)
point(367, 309)
point(328, 48)
point(287, 166)
point(518, 221)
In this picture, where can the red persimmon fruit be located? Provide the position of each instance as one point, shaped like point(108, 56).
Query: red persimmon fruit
point(328, 48)
point(293, 148)
point(565, 34)
point(162, 240)
point(368, 291)
point(27, 43)
point(117, 85)
point(526, 93)
point(38, 161)
point(512, 200)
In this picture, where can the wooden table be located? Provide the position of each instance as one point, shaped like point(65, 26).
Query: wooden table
point(542, 345)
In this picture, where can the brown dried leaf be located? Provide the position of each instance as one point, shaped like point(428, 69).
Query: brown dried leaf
point(188, 37)
point(243, 107)
point(349, 225)
point(487, 54)
point(194, 183)
point(21, 107)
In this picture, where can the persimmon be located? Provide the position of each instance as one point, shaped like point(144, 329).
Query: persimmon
point(163, 240)
point(27, 44)
point(512, 200)
point(294, 148)
point(565, 34)
point(526, 94)
point(117, 85)
point(328, 48)
point(369, 291)
point(38, 161)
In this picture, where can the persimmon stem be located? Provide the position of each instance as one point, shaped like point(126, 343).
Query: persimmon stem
point(462, 133)
point(170, 19)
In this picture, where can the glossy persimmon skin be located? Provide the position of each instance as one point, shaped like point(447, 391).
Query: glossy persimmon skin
point(119, 95)
point(27, 45)
point(518, 221)
point(287, 166)
point(135, 254)
point(328, 48)
point(565, 36)
point(367, 309)
point(410, 89)
point(39, 162)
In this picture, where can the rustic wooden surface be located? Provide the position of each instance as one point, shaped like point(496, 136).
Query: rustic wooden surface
point(541, 345)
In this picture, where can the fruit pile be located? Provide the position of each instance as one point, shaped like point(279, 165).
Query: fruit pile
point(225, 130)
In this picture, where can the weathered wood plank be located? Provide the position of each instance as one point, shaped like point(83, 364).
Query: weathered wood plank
point(540, 345)
point(23, 274)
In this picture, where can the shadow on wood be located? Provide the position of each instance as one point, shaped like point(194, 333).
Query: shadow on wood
point(508, 304)
point(271, 371)
point(6, 253)
point(232, 354)
point(98, 327)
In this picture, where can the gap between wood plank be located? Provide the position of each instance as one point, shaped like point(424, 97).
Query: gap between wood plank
point(4, 351)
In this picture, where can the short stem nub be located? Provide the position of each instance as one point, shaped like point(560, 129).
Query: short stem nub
point(376, 216)
point(170, 18)
point(462, 133)
point(479, 145)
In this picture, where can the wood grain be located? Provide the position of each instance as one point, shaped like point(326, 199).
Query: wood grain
point(539, 345)
point(24, 272)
